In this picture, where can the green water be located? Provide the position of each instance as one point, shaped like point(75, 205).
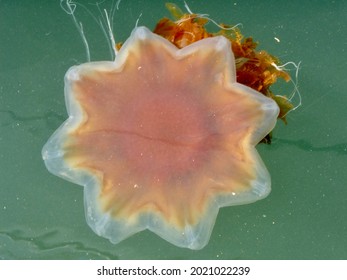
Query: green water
point(42, 216)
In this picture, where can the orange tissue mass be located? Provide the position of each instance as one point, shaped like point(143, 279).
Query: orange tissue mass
point(256, 69)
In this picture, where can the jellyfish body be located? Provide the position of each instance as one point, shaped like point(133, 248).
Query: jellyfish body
point(161, 138)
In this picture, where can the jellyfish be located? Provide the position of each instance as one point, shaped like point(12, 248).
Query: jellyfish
point(161, 138)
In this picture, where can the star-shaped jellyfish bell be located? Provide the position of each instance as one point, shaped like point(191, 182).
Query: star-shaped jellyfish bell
point(161, 138)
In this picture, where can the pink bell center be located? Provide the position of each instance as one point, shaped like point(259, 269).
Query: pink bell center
point(165, 135)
